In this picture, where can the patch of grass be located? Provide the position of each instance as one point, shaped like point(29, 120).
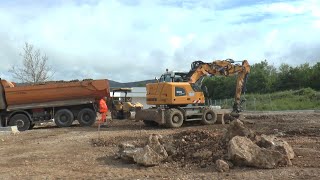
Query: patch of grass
point(302, 99)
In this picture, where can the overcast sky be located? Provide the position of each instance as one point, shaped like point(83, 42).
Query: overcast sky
point(131, 40)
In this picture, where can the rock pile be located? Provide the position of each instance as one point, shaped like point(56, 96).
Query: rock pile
point(239, 145)
point(151, 154)
point(262, 151)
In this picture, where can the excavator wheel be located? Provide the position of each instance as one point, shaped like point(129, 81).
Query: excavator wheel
point(209, 117)
point(174, 118)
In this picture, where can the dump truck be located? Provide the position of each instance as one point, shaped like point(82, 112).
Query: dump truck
point(63, 102)
point(179, 97)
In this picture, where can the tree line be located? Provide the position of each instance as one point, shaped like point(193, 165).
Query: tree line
point(266, 78)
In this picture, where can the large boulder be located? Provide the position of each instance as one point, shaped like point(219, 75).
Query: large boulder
point(154, 143)
point(127, 151)
point(242, 151)
point(274, 143)
point(151, 154)
point(237, 128)
point(170, 147)
point(148, 157)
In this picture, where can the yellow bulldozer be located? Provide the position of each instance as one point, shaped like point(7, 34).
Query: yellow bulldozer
point(122, 107)
point(178, 97)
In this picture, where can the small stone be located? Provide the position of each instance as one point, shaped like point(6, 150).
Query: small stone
point(222, 166)
point(202, 154)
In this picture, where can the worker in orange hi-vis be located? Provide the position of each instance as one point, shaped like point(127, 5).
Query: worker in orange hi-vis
point(103, 109)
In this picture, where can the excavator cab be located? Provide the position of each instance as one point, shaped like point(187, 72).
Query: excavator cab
point(173, 76)
point(123, 108)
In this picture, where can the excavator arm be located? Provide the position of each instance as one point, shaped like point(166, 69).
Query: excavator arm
point(227, 67)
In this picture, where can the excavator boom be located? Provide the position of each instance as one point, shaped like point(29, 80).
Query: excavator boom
point(200, 69)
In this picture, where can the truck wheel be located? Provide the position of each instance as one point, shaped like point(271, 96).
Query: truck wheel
point(63, 118)
point(174, 118)
point(209, 117)
point(31, 126)
point(86, 117)
point(21, 121)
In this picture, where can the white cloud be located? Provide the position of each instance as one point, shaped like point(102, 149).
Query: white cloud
point(175, 42)
point(317, 24)
point(109, 39)
point(285, 8)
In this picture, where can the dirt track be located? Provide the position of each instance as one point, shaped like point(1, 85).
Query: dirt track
point(68, 153)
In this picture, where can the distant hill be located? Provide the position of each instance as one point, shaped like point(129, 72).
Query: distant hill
point(114, 84)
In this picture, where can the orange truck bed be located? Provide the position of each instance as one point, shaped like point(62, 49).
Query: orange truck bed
point(57, 91)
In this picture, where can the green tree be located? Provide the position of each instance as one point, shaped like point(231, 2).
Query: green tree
point(294, 77)
point(262, 78)
point(315, 76)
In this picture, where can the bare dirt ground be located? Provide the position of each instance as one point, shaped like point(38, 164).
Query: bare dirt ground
point(48, 152)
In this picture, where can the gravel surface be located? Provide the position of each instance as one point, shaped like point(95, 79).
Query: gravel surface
point(48, 152)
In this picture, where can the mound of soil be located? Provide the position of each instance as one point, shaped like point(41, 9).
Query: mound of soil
point(197, 147)
point(99, 142)
point(114, 141)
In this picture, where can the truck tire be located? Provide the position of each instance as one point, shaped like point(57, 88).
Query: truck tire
point(22, 122)
point(86, 117)
point(31, 126)
point(63, 118)
point(174, 118)
point(209, 117)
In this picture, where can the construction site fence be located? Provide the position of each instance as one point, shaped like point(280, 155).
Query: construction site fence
point(252, 104)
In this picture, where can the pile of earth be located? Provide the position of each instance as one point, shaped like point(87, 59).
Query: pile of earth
point(114, 141)
point(195, 147)
point(239, 145)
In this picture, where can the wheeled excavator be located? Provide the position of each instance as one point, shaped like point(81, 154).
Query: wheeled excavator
point(178, 96)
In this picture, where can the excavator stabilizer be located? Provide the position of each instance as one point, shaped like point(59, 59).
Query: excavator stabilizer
point(155, 115)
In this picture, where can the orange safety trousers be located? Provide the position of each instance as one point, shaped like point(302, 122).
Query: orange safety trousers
point(103, 118)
